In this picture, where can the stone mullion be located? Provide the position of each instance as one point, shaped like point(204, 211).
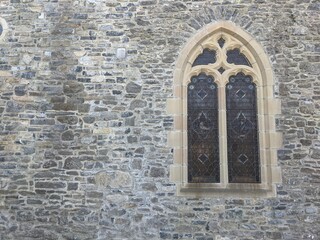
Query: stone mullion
point(223, 150)
point(223, 135)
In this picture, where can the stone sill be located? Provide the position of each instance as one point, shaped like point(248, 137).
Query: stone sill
point(232, 190)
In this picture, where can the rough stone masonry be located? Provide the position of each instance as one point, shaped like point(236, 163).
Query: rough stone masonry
point(83, 144)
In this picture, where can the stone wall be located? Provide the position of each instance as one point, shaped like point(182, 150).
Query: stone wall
point(83, 145)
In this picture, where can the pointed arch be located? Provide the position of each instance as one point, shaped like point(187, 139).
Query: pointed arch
point(3, 28)
point(223, 38)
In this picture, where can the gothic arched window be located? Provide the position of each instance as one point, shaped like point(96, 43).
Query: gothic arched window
point(224, 138)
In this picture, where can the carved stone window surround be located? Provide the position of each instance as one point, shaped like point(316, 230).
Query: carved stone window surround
point(268, 107)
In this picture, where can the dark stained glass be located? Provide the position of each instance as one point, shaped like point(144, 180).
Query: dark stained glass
point(221, 70)
point(206, 57)
point(221, 42)
point(203, 140)
point(236, 57)
point(242, 130)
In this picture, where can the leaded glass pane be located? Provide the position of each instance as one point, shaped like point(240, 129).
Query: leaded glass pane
point(203, 140)
point(242, 130)
point(206, 57)
point(221, 42)
point(221, 70)
point(236, 57)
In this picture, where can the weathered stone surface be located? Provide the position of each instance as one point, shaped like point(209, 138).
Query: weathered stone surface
point(50, 164)
point(73, 186)
point(136, 164)
point(72, 163)
point(149, 187)
point(137, 104)
point(88, 119)
point(129, 121)
point(65, 107)
point(24, 216)
point(133, 88)
point(42, 121)
point(72, 87)
point(315, 153)
point(157, 172)
point(20, 90)
point(14, 106)
point(113, 179)
point(67, 135)
point(88, 139)
point(83, 146)
point(52, 185)
point(68, 119)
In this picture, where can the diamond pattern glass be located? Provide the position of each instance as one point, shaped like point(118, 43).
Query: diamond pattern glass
point(242, 130)
point(203, 139)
